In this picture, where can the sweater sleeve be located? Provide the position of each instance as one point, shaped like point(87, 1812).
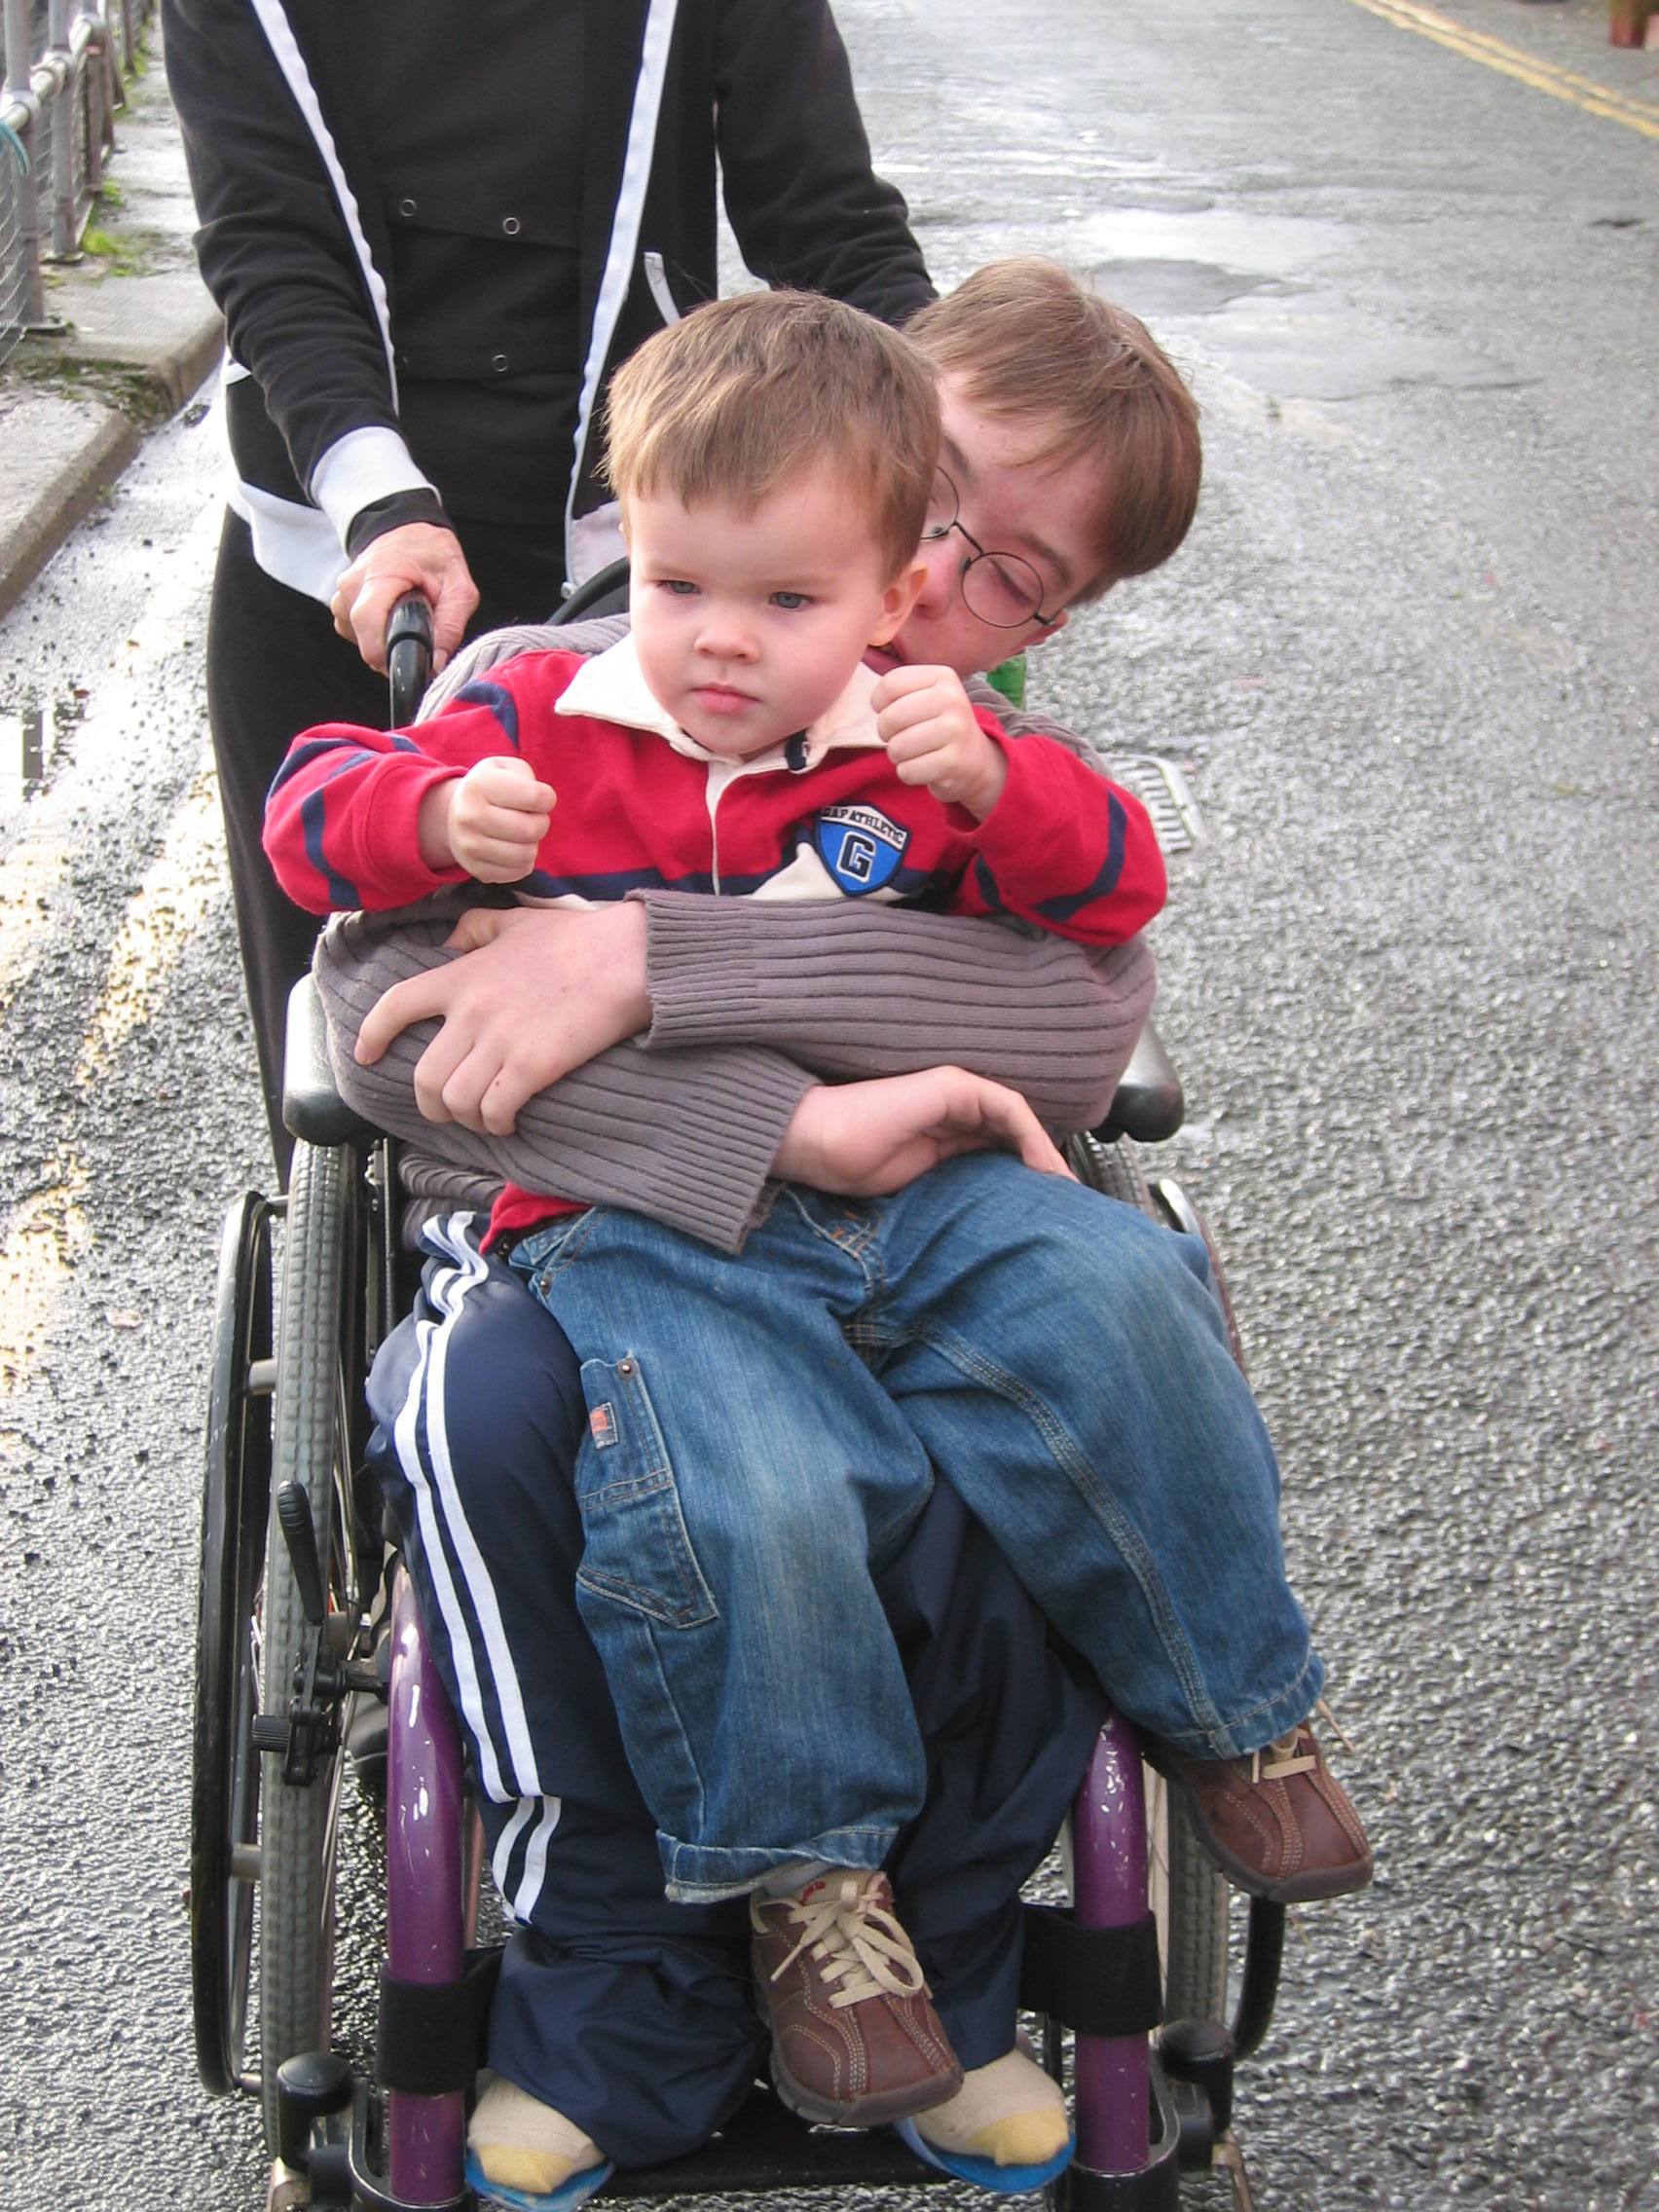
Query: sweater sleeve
point(686, 1138)
point(806, 206)
point(856, 990)
point(276, 253)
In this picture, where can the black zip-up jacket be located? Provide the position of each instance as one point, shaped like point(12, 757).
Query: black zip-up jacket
point(294, 237)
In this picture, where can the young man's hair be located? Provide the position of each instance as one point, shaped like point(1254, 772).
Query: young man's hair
point(748, 393)
point(1032, 344)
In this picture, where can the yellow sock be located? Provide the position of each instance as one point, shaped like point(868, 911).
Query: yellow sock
point(1009, 2111)
point(524, 2144)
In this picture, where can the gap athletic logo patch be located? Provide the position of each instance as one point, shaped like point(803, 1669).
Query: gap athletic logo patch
point(860, 847)
point(601, 1425)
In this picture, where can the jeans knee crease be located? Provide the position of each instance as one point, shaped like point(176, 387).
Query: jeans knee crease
point(1120, 1533)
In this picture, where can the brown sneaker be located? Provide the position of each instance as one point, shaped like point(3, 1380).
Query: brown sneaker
point(1276, 1821)
point(854, 2038)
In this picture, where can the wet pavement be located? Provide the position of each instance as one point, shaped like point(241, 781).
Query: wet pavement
point(1409, 663)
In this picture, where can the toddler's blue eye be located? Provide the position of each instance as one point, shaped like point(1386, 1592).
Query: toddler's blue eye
point(789, 600)
point(679, 585)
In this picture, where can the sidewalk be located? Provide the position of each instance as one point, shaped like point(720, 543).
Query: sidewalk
point(139, 335)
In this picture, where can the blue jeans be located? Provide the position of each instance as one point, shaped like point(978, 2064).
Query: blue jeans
point(631, 2014)
point(762, 1432)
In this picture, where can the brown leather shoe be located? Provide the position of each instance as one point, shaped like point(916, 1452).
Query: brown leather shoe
point(1276, 1821)
point(854, 2038)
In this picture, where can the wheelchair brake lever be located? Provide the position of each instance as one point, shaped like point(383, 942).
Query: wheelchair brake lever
point(293, 1511)
point(308, 1730)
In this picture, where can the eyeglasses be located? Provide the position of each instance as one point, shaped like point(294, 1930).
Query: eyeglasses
point(1002, 589)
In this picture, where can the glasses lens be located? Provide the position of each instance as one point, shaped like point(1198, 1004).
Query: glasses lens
point(1002, 589)
point(941, 507)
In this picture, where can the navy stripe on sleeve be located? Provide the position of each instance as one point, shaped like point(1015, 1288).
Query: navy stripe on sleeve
point(319, 748)
point(313, 820)
point(1061, 908)
point(500, 703)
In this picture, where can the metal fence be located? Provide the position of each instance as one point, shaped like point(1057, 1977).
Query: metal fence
point(63, 75)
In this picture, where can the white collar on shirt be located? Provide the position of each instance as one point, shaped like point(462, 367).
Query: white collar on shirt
point(611, 687)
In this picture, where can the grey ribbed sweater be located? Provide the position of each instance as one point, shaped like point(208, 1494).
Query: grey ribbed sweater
point(751, 1003)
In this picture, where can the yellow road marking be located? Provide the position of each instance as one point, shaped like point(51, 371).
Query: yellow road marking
point(49, 1231)
point(37, 1263)
point(177, 893)
point(34, 873)
point(1542, 75)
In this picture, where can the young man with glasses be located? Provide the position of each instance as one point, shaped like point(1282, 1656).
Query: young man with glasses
point(1031, 519)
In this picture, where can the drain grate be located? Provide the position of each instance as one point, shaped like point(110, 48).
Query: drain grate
point(1163, 791)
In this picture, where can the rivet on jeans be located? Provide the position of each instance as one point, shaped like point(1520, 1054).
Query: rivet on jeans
point(624, 1367)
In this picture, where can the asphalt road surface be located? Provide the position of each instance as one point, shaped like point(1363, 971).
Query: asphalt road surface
point(1408, 660)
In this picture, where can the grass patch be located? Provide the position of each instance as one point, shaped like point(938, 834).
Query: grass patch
point(124, 254)
point(130, 391)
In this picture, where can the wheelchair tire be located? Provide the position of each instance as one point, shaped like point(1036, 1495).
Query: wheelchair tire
point(223, 1811)
point(318, 1390)
point(1189, 1898)
point(1191, 1904)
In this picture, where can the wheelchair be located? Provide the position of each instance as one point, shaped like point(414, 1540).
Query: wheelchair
point(1148, 1985)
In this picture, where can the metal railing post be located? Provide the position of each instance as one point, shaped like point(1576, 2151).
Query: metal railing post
point(18, 52)
point(61, 59)
point(21, 101)
point(102, 88)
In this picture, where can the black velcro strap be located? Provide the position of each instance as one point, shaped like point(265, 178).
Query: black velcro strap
point(1098, 1981)
point(431, 2034)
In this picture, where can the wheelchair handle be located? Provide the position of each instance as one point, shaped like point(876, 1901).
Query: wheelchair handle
point(408, 656)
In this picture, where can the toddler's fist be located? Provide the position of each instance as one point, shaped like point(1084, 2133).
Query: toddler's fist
point(498, 815)
point(926, 719)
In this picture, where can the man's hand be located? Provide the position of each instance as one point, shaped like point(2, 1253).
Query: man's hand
point(861, 1139)
point(926, 721)
point(419, 557)
point(496, 817)
point(539, 993)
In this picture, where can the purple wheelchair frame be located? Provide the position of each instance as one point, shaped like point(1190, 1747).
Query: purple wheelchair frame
point(1123, 2159)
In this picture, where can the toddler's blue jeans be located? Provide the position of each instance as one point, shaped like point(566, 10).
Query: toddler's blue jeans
point(762, 1431)
point(631, 2014)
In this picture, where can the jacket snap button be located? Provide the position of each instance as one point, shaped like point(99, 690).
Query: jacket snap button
point(406, 207)
point(511, 225)
point(498, 362)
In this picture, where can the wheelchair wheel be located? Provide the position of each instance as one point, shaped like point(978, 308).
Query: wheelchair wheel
point(319, 1390)
point(224, 1824)
point(1191, 1904)
point(1189, 1895)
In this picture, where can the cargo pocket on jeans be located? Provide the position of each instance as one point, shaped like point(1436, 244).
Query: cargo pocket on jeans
point(636, 1549)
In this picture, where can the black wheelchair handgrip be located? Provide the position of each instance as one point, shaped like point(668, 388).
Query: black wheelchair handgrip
point(408, 656)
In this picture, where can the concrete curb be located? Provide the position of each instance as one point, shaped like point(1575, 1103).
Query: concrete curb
point(71, 454)
point(138, 336)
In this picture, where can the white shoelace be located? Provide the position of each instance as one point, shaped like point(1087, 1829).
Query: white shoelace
point(1287, 1757)
point(855, 1942)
